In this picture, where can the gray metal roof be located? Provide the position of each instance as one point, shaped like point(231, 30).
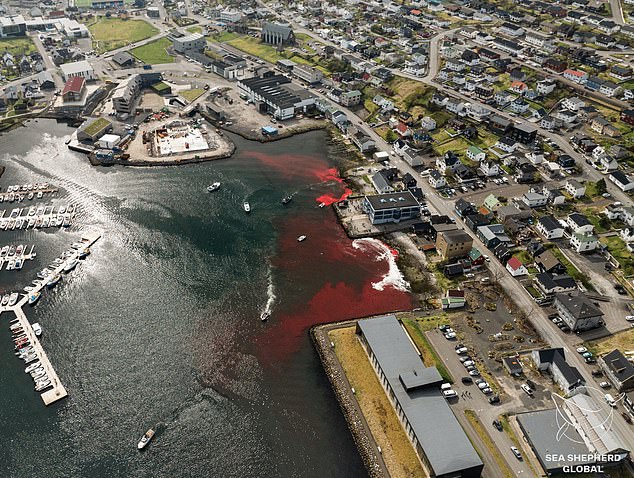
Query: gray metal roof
point(444, 442)
point(392, 200)
point(542, 430)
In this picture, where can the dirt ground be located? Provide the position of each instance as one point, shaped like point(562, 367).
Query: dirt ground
point(220, 146)
point(248, 122)
point(398, 453)
point(151, 100)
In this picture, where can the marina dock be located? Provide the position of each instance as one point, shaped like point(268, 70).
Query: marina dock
point(58, 391)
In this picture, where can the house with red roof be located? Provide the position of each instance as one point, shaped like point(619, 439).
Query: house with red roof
point(403, 130)
point(575, 75)
point(74, 88)
point(516, 268)
point(518, 87)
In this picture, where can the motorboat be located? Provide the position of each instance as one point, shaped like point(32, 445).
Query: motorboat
point(70, 266)
point(265, 315)
point(5, 299)
point(19, 250)
point(39, 194)
point(37, 329)
point(32, 367)
point(213, 187)
point(322, 204)
point(61, 210)
point(30, 358)
point(38, 374)
point(19, 263)
point(43, 386)
point(34, 297)
point(32, 211)
point(53, 281)
point(145, 439)
point(4, 251)
point(59, 221)
point(287, 199)
point(301, 238)
point(11, 250)
point(46, 221)
point(84, 252)
point(246, 206)
point(30, 196)
point(13, 298)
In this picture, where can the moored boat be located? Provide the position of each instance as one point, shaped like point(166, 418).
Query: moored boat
point(287, 199)
point(53, 281)
point(215, 186)
point(265, 315)
point(13, 298)
point(70, 266)
point(34, 297)
point(37, 328)
point(246, 206)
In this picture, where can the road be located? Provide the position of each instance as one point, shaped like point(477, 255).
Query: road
point(617, 12)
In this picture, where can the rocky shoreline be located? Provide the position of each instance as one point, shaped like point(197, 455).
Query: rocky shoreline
point(356, 423)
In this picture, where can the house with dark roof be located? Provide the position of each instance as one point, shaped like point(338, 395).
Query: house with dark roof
point(547, 262)
point(554, 284)
point(550, 228)
point(554, 362)
point(123, 59)
point(512, 366)
point(618, 369)
point(391, 207)
point(621, 180)
point(578, 312)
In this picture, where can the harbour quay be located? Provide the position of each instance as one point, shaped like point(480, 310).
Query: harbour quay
point(28, 345)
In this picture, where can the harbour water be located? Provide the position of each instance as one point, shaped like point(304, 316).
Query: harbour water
point(160, 324)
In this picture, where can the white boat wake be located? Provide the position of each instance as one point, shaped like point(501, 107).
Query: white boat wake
point(270, 293)
point(393, 278)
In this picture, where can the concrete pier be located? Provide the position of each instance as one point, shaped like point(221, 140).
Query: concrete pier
point(58, 391)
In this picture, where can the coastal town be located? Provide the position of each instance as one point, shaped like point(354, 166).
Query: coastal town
point(492, 147)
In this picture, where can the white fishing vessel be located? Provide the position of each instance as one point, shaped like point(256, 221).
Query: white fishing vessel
point(246, 206)
point(213, 187)
point(145, 439)
point(301, 238)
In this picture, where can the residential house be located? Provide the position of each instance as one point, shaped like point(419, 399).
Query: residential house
point(506, 144)
point(618, 369)
point(547, 262)
point(577, 76)
point(554, 284)
point(534, 199)
point(578, 312)
point(436, 180)
point(516, 268)
point(454, 243)
point(428, 123)
point(581, 242)
point(554, 362)
point(549, 227)
point(492, 235)
point(622, 181)
point(579, 224)
point(575, 188)
point(475, 154)
point(489, 168)
point(448, 162)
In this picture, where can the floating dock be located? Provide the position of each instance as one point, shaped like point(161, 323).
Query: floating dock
point(58, 391)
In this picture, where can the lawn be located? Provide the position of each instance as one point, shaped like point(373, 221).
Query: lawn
point(112, 33)
point(429, 355)
point(96, 126)
point(17, 46)
point(253, 46)
point(456, 145)
point(623, 341)
point(224, 36)
point(191, 95)
point(397, 451)
point(194, 29)
point(617, 248)
point(154, 52)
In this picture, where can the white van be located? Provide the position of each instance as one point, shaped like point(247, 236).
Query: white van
point(445, 386)
point(449, 393)
point(610, 399)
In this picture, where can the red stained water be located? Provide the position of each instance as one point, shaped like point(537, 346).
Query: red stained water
point(336, 278)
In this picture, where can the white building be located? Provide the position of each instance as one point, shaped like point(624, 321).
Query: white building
point(78, 68)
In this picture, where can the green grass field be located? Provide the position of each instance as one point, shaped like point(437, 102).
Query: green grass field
point(252, 46)
point(191, 95)
point(112, 33)
point(17, 46)
point(154, 52)
point(194, 29)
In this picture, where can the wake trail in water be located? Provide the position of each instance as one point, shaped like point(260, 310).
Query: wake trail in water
point(270, 296)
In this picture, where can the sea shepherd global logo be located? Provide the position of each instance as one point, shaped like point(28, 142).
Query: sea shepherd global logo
point(598, 418)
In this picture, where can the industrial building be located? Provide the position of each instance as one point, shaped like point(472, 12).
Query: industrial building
point(392, 207)
point(14, 26)
point(276, 94)
point(307, 73)
point(414, 390)
point(78, 68)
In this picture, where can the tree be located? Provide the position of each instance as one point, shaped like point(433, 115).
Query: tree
point(391, 136)
point(601, 186)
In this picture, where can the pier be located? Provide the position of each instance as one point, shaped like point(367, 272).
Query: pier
point(58, 391)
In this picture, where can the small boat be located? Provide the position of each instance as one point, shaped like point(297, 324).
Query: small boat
point(11, 250)
point(37, 328)
point(70, 266)
point(265, 315)
point(30, 196)
point(62, 210)
point(32, 367)
point(322, 204)
point(38, 374)
point(19, 250)
point(39, 195)
point(4, 251)
point(84, 252)
point(246, 206)
point(19, 263)
point(145, 439)
point(13, 298)
point(30, 358)
point(287, 199)
point(301, 238)
point(59, 221)
point(33, 298)
point(43, 386)
point(213, 187)
point(5, 299)
point(53, 281)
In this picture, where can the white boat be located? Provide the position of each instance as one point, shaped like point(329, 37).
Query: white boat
point(53, 280)
point(322, 204)
point(33, 298)
point(13, 298)
point(246, 206)
point(39, 195)
point(37, 328)
point(70, 266)
point(213, 187)
point(43, 386)
point(301, 238)
point(145, 439)
point(32, 367)
point(265, 315)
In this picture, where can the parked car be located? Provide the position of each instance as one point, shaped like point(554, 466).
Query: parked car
point(604, 385)
point(487, 391)
point(627, 417)
point(464, 358)
point(587, 354)
point(462, 350)
point(582, 350)
point(469, 363)
point(483, 385)
point(517, 453)
point(494, 399)
point(466, 380)
point(629, 318)
point(497, 424)
point(474, 373)
point(527, 389)
point(597, 372)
